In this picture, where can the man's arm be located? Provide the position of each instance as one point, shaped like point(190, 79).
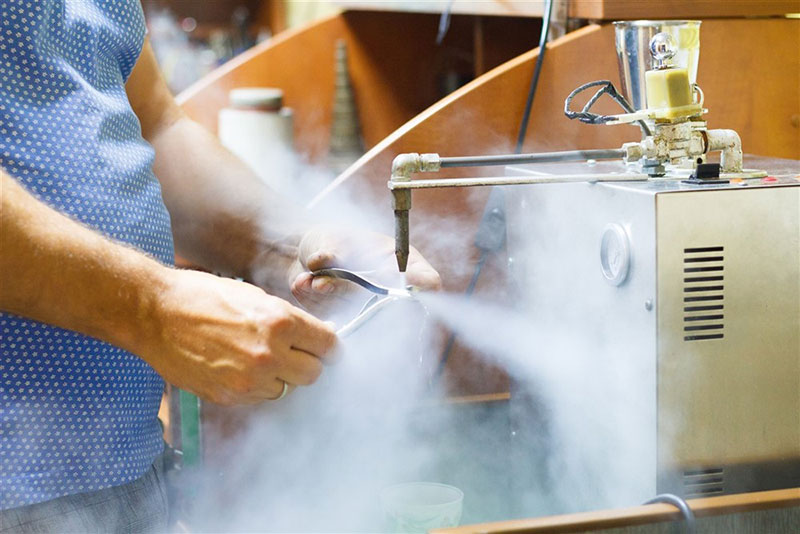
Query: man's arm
point(224, 218)
point(227, 220)
point(224, 340)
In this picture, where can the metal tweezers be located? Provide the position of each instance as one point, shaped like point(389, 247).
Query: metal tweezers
point(373, 305)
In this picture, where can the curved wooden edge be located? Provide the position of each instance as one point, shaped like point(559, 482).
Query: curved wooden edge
point(640, 515)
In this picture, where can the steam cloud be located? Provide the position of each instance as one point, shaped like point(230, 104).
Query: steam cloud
point(569, 440)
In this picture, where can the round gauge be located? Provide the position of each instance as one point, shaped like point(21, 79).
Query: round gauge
point(615, 254)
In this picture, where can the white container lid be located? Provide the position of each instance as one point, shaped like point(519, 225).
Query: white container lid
point(257, 98)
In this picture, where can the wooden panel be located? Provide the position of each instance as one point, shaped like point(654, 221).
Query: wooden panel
point(398, 70)
point(679, 9)
point(643, 515)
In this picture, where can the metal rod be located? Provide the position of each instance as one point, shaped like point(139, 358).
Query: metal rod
point(540, 157)
point(515, 180)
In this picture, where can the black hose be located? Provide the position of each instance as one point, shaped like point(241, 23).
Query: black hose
point(444, 22)
point(680, 504)
point(526, 115)
point(607, 88)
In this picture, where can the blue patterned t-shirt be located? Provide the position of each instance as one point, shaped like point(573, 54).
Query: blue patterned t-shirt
point(76, 414)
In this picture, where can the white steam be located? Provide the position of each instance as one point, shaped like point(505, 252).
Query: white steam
point(572, 437)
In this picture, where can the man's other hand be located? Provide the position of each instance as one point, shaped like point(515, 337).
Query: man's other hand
point(369, 252)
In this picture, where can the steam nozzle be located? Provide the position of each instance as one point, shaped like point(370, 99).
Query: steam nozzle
point(401, 202)
point(403, 166)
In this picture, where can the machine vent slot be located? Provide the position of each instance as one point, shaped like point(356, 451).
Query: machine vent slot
point(705, 318)
point(703, 279)
point(703, 292)
point(703, 259)
point(713, 307)
point(698, 289)
point(702, 269)
point(704, 249)
point(702, 298)
point(703, 482)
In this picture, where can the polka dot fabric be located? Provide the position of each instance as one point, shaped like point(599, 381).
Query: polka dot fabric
point(76, 414)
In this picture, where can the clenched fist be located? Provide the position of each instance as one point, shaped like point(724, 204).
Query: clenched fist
point(230, 342)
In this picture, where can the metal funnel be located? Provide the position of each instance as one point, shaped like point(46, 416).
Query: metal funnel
point(633, 52)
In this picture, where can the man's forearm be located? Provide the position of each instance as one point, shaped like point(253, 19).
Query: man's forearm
point(224, 217)
point(57, 271)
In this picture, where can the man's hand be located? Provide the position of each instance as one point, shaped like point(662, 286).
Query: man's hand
point(224, 340)
point(230, 342)
point(359, 251)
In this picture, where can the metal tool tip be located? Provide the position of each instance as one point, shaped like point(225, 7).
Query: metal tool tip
point(402, 261)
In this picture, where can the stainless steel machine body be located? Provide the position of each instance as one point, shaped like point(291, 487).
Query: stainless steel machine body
point(692, 292)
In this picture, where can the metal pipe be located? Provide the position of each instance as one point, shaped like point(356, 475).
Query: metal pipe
point(404, 165)
point(396, 187)
point(401, 204)
point(541, 157)
point(729, 143)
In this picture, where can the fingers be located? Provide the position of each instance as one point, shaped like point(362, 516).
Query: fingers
point(311, 335)
point(299, 368)
point(320, 294)
point(359, 250)
point(273, 391)
point(295, 368)
point(320, 260)
point(307, 285)
point(316, 251)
